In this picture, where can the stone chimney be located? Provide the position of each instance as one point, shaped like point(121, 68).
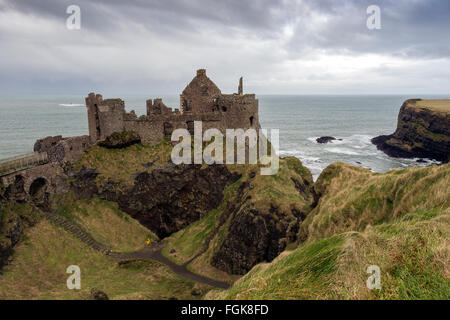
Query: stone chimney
point(240, 87)
point(201, 72)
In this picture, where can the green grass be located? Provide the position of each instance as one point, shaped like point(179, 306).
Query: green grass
point(121, 165)
point(104, 222)
point(413, 256)
point(302, 274)
point(354, 198)
point(38, 271)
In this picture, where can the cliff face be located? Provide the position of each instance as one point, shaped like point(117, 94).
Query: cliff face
point(423, 131)
point(257, 219)
point(164, 200)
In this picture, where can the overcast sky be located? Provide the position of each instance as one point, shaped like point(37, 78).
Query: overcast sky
point(280, 47)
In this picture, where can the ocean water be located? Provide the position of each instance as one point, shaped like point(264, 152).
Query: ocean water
point(301, 119)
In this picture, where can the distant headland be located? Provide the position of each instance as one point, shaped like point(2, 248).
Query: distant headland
point(423, 131)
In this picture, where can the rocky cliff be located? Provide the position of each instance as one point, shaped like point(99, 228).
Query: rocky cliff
point(262, 222)
point(164, 200)
point(15, 215)
point(423, 131)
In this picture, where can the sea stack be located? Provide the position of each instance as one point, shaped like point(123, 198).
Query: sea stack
point(423, 131)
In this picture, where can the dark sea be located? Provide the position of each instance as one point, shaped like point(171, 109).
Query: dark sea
point(301, 119)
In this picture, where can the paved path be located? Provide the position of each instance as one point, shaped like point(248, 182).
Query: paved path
point(154, 252)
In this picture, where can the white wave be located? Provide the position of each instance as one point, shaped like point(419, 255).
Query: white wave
point(312, 139)
point(342, 151)
point(309, 159)
point(70, 105)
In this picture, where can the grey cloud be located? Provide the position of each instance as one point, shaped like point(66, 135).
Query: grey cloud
point(227, 37)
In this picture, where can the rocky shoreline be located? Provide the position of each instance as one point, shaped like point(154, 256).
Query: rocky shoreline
point(423, 131)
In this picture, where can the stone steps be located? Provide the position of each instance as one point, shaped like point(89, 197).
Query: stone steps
point(79, 233)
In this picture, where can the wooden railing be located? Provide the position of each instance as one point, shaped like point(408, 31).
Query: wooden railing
point(22, 162)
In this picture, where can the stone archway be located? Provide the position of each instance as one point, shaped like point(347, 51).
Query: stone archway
point(16, 189)
point(38, 192)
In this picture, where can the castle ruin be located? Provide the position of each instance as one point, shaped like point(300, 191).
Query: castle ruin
point(201, 100)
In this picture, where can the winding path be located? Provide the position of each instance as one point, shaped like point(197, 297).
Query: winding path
point(155, 253)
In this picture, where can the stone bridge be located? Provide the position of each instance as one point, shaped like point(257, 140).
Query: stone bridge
point(40, 174)
point(32, 174)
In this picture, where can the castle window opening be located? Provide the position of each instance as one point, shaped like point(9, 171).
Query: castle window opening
point(168, 128)
point(190, 127)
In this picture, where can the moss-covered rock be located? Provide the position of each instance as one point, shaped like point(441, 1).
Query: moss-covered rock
point(14, 218)
point(121, 139)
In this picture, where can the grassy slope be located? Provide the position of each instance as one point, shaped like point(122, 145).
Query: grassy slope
point(354, 198)
point(121, 164)
point(412, 253)
point(105, 222)
point(10, 212)
point(434, 105)
point(40, 261)
point(398, 220)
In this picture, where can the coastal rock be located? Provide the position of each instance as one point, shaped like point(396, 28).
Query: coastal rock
point(325, 139)
point(423, 131)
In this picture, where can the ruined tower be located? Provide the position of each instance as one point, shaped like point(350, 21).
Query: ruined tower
point(240, 87)
point(200, 94)
point(104, 116)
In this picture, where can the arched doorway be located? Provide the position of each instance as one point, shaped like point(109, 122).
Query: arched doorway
point(16, 190)
point(38, 192)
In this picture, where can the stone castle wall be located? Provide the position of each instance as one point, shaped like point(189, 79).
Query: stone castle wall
point(62, 150)
point(200, 101)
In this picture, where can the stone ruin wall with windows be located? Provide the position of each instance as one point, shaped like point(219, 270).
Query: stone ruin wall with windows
point(201, 100)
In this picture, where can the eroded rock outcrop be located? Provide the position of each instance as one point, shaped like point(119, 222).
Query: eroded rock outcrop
point(423, 131)
point(164, 200)
point(260, 229)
